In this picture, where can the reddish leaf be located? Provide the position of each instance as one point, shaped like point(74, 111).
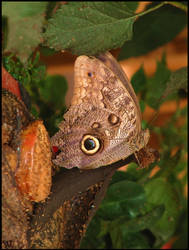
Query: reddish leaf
point(9, 83)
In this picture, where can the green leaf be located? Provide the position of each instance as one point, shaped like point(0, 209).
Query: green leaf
point(121, 176)
point(89, 241)
point(139, 80)
point(133, 170)
point(182, 232)
point(122, 198)
point(25, 22)
point(142, 222)
point(159, 191)
point(171, 133)
point(153, 30)
point(157, 84)
point(29, 76)
point(23, 9)
point(47, 93)
point(142, 105)
point(47, 51)
point(53, 90)
point(123, 240)
point(90, 27)
point(177, 80)
point(170, 162)
point(132, 5)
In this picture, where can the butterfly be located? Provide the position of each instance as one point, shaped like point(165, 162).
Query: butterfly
point(103, 123)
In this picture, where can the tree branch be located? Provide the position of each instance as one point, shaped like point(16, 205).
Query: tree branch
point(68, 183)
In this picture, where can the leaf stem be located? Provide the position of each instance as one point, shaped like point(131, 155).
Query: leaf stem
point(151, 9)
point(178, 5)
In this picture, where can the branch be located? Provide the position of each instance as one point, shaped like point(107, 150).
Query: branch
point(68, 183)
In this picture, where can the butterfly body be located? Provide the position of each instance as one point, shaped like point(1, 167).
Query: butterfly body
point(103, 124)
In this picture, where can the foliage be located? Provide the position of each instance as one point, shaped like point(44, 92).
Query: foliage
point(24, 26)
point(47, 92)
point(148, 33)
point(139, 211)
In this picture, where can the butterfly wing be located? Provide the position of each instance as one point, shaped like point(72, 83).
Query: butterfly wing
point(104, 106)
point(114, 66)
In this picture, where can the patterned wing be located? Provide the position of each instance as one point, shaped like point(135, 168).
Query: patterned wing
point(103, 124)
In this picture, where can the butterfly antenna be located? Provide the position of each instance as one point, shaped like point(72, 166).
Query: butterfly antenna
point(154, 117)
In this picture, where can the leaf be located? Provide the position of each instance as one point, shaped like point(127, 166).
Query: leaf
point(172, 139)
point(139, 80)
point(153, 30)
point(123, 231)
point(177, 80)
point(171, 163)
point(47, 93)
point(122, 198)
point(53, 90)
point(142, 222)
point(30, 75)
point(142, 106)
point(182, 230)
point(121, 176)
point(132, 5)
point(90, 27)
point(25, 22)
point(157, 84)
point(158, 192)
point(89, 241)
point(123, 240)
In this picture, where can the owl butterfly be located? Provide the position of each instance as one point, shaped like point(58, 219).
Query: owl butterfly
point(103, 124)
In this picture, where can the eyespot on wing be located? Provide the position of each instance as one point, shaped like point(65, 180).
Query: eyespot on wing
point(33, 175)
point(90, 144)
